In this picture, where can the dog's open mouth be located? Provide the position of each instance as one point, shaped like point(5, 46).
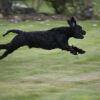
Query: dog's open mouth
point(80, 36)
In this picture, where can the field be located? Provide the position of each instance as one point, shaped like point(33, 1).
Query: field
point(37, 74)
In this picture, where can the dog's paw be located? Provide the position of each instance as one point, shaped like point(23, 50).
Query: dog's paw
point(79, 51)
point(74, 53)
point(82, 52)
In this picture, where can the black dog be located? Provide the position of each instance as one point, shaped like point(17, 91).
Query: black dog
point(50, 39)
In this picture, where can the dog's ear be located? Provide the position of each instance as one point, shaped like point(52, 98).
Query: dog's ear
point(72, 22)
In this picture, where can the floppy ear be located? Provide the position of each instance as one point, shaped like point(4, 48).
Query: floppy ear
point(72, 22)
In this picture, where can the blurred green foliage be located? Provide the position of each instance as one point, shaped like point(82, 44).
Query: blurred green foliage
point(79, 8)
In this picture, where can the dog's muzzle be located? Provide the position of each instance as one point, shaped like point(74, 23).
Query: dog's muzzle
point(82, 35)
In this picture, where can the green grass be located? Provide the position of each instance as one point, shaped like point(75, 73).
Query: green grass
point(37, 74)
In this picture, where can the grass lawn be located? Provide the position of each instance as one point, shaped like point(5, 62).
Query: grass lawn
point(37, 74)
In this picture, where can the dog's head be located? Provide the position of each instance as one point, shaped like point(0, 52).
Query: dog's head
point(76, 30)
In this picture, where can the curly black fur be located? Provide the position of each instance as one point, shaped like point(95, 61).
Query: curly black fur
point(50, 39)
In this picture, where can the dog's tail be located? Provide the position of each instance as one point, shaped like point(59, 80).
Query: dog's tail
point(14, 31)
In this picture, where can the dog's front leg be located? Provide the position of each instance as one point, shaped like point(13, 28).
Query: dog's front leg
point(69, 48)
point(80, 51)
point(64, 46)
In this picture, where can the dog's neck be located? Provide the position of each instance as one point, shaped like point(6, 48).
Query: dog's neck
point(68, 32)
point(70, 29)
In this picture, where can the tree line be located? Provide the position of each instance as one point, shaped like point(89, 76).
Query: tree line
point(79, 8)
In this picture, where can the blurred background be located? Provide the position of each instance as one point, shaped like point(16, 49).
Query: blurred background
point(22, 10)
point(41, 74)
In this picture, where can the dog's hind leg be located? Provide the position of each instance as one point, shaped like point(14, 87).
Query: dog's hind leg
point(4, 46)
point(4, 55)
point(8, 51)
